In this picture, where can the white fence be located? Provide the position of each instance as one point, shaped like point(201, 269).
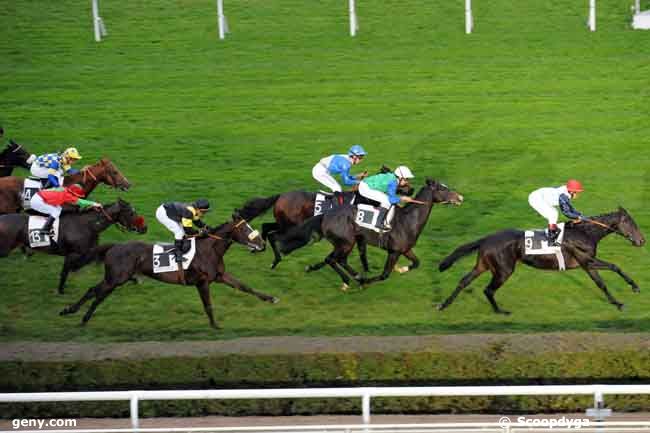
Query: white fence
point(365, 394)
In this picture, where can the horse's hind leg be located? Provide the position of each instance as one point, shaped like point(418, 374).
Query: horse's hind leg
point(268, 228)
point(415, 262)
point(498, 278)
point(362, 246)
point(71, 263)
point(464, 282)
point(101, 292)
point(315, 267)
point(331, 260)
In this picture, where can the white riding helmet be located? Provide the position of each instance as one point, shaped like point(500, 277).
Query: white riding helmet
point(403, 172)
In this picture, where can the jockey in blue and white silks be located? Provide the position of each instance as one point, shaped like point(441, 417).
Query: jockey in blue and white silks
point(332, 165)
point(54, 166)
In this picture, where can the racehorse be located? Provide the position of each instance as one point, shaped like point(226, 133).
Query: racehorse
point(292, 209)
point(341, 229)
point(78, 234)
point(104, 171)
point(14, 155)
point(500, 252)
point(124, 261)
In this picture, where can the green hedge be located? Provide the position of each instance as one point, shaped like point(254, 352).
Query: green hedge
point(487, 367)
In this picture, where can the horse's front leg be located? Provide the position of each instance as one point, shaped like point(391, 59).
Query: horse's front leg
point(595, 276)
point(391, 260)
point(597, 263)
point(415, 262)
point(231, 281)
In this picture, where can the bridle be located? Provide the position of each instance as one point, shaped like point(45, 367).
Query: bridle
point(122, 227)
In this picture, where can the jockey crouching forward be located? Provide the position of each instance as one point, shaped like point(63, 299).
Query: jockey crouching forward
point(340, 165)
point(50, 202)
point(53, 167)
point(179, 219)
point(382, 188)
point(546, 200)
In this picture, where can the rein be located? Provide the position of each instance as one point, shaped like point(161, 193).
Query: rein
point(605, 226)
point(87, 172)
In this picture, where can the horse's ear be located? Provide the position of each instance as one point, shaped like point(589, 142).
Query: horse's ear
point(430, 181)
point(236, 215)
point(622, 210)
point(11, 141)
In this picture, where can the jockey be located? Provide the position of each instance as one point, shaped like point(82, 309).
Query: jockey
point(51, 201)
point(54, 166)
point(546, 200)
point(179, 218)
point(382, 188)
point(339, 164)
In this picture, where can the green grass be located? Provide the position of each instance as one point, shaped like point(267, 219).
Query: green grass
point(528, 100)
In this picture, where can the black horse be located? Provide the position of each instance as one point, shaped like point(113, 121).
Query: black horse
point(124, 261)
point(341, 229)
point(292, 209)
point(14, 155)
point(500, 252)
point(78, 234)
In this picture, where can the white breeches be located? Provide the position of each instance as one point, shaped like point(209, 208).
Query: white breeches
point(549, 212)
point(39, 205)
point(321, 174)
point(43, 173)
point(172, 226)
point(375, 195)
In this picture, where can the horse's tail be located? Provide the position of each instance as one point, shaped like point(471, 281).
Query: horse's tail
point(100, 252)
point(459, 252)
point(299, 236)
point(257, 206)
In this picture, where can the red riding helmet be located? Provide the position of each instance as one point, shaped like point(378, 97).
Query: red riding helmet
point(77, 190)
point(574, 186)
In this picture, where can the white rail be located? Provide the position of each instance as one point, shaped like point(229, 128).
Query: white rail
point(598, 392)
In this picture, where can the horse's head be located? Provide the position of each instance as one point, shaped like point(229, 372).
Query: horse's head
point(628, 228)
point(244, 234)
point(442, 193)
point(110, 175)
point(127, 217)
point(17, 156)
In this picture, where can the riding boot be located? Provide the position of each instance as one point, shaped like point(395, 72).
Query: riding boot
point(382, 219)
point(49, 225)
point(178, 253)
point(552, 235)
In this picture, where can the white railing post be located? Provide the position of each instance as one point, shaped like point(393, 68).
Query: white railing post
point(637, 6)
point(353, 18)
point(469, 20)
point(592, 15)
point(221, 19)
point(96, 20)
point(365, 407)
point(135, 421)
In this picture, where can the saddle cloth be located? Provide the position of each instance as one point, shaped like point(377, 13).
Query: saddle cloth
point(368, 217)
point(325, 202)
point(37, 237)
point(536, 243)
point(164, 257)
point(31, 187)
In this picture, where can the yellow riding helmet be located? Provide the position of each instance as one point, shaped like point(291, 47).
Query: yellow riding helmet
point(71, 153)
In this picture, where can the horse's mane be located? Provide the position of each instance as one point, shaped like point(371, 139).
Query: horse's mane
point(215, 230)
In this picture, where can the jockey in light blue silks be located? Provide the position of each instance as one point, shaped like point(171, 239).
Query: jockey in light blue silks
point(340, 165)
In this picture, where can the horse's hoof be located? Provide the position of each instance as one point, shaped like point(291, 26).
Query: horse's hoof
point(402, 269)
point(439, 307)
point(620, 306)
point(344, 287)
point(504, 312)
point(274, 300)
point(308, 269)
point(216, 326)
point(636, 289)
point(64, 312)
point(274, 265)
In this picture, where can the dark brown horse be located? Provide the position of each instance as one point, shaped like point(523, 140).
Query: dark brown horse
point(78, 234)
point(14, 155)
point(11, 188)
point(124, 261)
point(340, 228)
point(500, 252)
point(292, 209)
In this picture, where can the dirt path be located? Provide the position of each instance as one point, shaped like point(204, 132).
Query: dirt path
point(531, 343)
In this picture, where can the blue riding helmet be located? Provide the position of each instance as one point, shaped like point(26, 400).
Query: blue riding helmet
point(356, 150)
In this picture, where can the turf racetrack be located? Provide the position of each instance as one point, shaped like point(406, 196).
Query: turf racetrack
point(528, 100)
